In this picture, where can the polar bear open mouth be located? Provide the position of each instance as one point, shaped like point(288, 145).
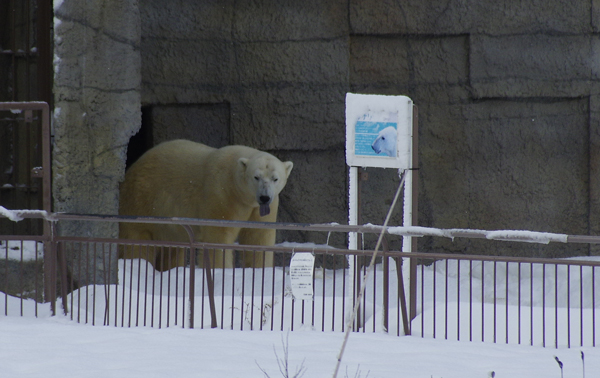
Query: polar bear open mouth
point(264, 209)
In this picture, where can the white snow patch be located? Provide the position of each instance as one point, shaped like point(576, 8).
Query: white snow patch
point(417, 231)
point(56, 61)
point(10, 214)
point(15, 215)
point(57, 4)
point(109, 351)
point(526, 236)
point(503, 235)
point(26, 250)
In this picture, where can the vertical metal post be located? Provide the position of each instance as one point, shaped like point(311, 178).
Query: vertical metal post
point(61, 258)
point(360, 261)
point(209, 281)
point(386, 284)
point(190, 233)
point(50, 270)
point(402, 297)
point(415, 213)
point(48, 227)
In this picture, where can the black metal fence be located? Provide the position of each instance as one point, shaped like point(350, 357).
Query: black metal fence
point(547, 302)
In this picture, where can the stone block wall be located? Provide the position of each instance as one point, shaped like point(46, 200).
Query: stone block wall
point(507, 97)
point(96, 110)
point(280, 68)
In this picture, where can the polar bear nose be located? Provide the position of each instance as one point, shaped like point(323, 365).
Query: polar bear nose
point(264, 199)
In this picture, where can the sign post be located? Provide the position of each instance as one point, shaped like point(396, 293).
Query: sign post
point(380, 133)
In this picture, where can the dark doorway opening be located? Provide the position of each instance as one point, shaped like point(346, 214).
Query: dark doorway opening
point(203, 123)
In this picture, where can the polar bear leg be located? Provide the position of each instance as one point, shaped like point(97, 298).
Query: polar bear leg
point(218, 258)
point(137, 232)
point(259, 236)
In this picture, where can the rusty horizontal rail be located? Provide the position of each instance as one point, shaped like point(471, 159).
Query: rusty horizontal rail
point(321, 250)
point(467, 297)
point(416, 231)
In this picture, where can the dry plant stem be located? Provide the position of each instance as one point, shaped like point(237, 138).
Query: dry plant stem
point(366, 276)
point(283, 362)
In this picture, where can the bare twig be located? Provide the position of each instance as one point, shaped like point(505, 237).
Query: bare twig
point(283, 362)
point(357, 374)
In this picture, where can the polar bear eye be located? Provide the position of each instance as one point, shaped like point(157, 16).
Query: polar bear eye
point(256, 178)
point(275, 179)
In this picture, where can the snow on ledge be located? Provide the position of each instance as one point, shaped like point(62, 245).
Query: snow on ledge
point(503, 235)
point(414, 231)
point(527, 236)
point(15, 215)
point(10, 214)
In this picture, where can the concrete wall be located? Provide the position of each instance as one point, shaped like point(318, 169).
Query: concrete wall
point(507, 96)
point(97, 109)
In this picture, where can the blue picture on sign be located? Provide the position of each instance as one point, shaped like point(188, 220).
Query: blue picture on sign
point(376, 138)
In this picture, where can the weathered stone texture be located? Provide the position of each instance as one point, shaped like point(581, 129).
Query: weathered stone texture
point(316, 62)
point(186, 20)
point(490, 180)
point(596, 15)
point(469, 16)
point(308, 203)
point(288, 20)
point(377, 62)
point(208, 124)
point(594, 174)
point(97, 109)
point(534, 65)
point(96, 86)
point(299, 117)
point(286, 88)
point(506, 90)
point(433, 65)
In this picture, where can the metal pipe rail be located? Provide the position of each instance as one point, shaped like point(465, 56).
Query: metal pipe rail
point(467, 297)
point(415, 231)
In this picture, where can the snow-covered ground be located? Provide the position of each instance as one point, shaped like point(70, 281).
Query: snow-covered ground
point(54, 346)
point(21, 250)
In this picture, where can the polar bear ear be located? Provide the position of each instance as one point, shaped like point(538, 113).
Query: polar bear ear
point(243, 162)
point(288, 167)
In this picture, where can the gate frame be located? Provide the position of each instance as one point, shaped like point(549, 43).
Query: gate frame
point(46, 174)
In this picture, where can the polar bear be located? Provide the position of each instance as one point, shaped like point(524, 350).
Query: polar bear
point(181, 178)
point(386, 142)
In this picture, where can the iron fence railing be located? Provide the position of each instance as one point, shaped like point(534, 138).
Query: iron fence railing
point(548, 302)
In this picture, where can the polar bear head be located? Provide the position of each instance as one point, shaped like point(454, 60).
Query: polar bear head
point(386, 142)
point(265, 176)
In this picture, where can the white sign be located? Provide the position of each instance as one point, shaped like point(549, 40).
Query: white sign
point(378, 131)
point(301, 275)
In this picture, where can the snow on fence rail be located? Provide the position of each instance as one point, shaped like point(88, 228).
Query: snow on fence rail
point(547, 302)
